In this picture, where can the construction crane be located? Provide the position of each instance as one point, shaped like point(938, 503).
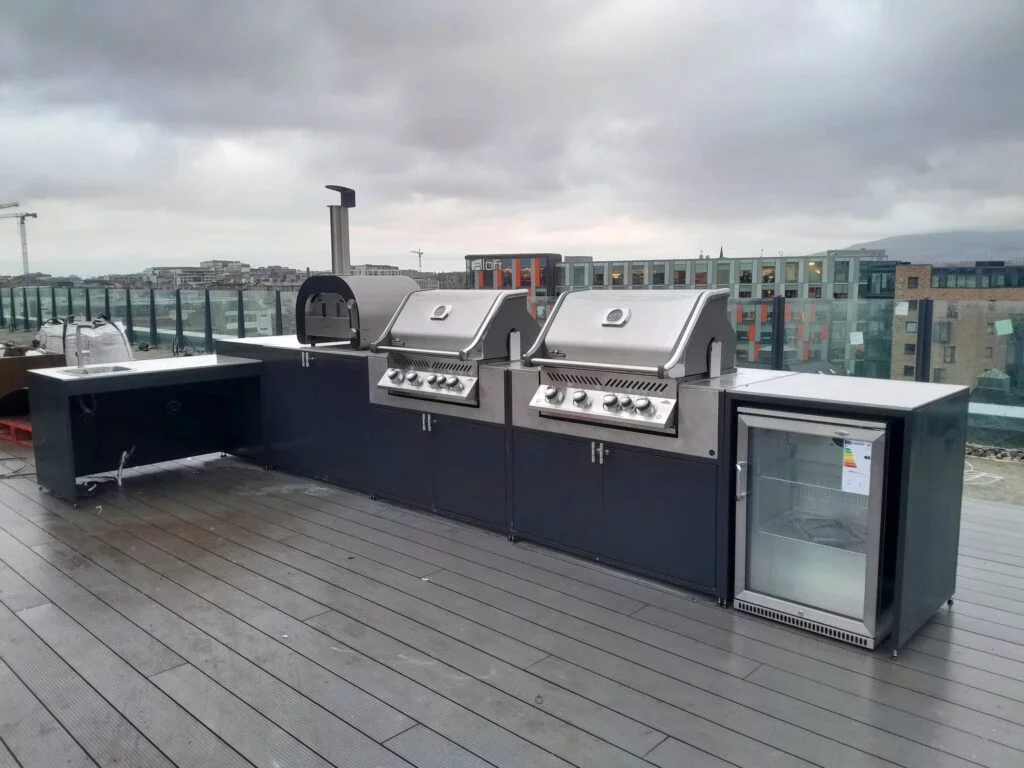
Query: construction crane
point(24, 234)
point(419, 253)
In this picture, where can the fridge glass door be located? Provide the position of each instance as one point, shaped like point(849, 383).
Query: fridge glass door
point(812, 506)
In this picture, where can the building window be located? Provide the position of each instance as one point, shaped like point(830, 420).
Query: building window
point(599, 270)
point(792, 271)
point(792, 291)
point(617, 270)
point(700, 276)
point(910, 349)
point(767, 293)
point(991, 328)
point(723, 272)
point(745, 292)
point(814, 292)
point(768, 274)
point(949, 355)
point(911, 282)
point(943, 332)
point(938, 281)
point(841, 291)
point(814, 272)
point(679, 273)
point(912, 305)
point(988, 353)
point(746, 272)
point(841, 272)
point(911, 326)
point(658, 274)
point(908, 370)
point(952, 309)
point(939, 375)
point(639, 274)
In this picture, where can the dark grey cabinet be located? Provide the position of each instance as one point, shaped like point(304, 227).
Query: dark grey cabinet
point(659, 514)
point(647, 511)
point(289, 413)
point(450, 465)
point(558, 491)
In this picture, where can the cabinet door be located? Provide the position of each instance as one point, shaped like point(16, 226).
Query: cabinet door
point(660, 513)
point(401, 466)
point(288, 413)
point(338, 389)
point(557, 494)
point(469, 469)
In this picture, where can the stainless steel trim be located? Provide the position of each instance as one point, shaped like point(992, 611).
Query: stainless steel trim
point(740, 469)
point(815, 418)
point(684, 339)
point(821, 427)
point(486, 324)
point(539, 341)
point(391, 322)
point(418, 351)
point(555, 363)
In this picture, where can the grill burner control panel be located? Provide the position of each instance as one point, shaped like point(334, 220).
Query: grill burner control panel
point(429, 384)
point(652, 413)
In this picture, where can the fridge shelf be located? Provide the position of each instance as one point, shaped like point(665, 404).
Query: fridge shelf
point(818, 514)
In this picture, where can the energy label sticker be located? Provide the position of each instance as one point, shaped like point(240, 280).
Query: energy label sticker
point(857, 467)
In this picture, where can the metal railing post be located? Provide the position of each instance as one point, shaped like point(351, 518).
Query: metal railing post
point(88, 306)
point(241, 315)
point(154, 338)
point(3, 318)
point(278, 319)
point(71, 305)
point(53, 301)
point(208, 322)
point(179, 328)
point(779, 333)
point(14, 311)
point(24, 298)
point(923, 359)
point(39, 308)
point(129, 325)
point(106, 303)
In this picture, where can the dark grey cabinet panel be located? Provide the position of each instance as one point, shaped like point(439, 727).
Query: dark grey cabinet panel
point(558, 491)
point(290, 415)
point(659, 514)
point(400, 466)
point(469, 469)
point(337, 392)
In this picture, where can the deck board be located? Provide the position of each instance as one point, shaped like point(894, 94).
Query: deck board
point(272, 618)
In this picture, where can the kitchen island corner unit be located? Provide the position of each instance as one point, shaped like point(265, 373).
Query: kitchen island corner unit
point(98, 418)
point(847, 495)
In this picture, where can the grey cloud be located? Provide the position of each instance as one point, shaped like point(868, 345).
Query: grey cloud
point(714, 111)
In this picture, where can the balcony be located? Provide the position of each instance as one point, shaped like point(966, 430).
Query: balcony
point(214, 613)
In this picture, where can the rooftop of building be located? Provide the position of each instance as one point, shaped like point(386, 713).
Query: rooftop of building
point(212, 613)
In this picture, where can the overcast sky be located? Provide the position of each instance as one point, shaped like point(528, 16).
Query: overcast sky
point(169, 131)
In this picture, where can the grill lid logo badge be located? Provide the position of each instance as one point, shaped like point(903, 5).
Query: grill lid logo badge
point(615, 317)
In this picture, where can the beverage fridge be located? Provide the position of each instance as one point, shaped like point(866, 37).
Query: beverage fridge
point(847, 498)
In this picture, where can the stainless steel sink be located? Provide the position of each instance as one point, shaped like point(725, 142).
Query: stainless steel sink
point(95, 369)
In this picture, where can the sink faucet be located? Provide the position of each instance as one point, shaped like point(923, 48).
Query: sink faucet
point(79, 352)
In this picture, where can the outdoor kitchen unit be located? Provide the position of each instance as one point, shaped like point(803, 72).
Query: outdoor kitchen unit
point(439, 387)
point(352, 309)
point(619, 432)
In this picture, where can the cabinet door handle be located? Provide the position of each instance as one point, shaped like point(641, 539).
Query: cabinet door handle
point(593, 450)
point(423, 422)
point(430, 422)
point(741, 487)
point(601, 453)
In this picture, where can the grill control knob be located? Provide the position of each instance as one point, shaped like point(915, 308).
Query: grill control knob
point(393, 373)
point(412, 377)
point(625, 402)
point(580, 398)
point(453, 382)
point(611, 402)
point(432, 379)
point(643, 405)
point(553, 395)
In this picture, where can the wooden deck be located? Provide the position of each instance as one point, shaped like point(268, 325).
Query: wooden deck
point(213, 614)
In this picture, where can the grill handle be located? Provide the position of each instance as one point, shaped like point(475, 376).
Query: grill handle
point(556, 363)
point(417, 351)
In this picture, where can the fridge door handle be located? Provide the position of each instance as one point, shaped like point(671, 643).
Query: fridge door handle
point(741, 486)
point(842, 433)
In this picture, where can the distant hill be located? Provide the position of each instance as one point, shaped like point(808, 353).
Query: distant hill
point(944, 247)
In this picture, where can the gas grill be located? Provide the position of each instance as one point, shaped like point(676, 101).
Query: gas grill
point(353, 308)
point(437, 340)
point(439, 393)
point(619, 433)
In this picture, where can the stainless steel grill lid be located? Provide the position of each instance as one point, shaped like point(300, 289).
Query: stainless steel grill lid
point(350, 308)
point(431, 329)
point(666, 333)
point(467, 324)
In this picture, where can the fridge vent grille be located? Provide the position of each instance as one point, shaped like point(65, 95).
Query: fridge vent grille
point(810, 626)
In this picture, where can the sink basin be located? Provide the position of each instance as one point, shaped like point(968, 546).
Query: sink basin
point(92, 370)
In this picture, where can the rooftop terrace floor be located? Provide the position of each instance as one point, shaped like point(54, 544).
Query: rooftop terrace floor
point(214, 614)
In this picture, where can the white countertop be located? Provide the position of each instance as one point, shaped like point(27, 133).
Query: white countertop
point(849, 390)
point(141, 367)
point(284, 342)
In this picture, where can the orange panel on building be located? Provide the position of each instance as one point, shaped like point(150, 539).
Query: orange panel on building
point(750, 332)
point(807, 351)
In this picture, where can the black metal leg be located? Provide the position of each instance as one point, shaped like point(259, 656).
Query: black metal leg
point(895, 654)
point(949, 602)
